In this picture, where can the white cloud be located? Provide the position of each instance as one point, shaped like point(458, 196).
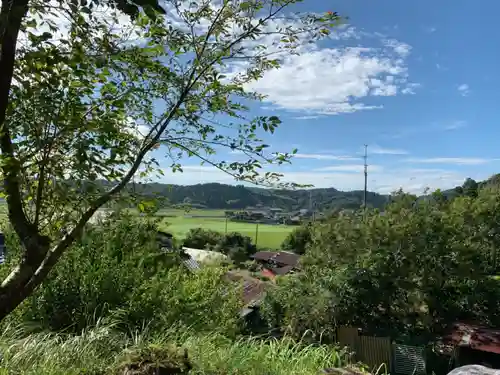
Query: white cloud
point(456, 125)
point(320, 80)
point(330, 81)
point(309, 117)
point(380, 180)
point(463, 89)
point(348, 168)
point(410, 88)
point(386, 151)
point(402, 49)
point(455, 161)
point(325, 157)
point(116, 22)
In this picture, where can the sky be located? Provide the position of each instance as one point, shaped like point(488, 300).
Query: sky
point(415, 81)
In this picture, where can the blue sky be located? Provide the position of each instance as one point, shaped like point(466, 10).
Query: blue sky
point(416, 81)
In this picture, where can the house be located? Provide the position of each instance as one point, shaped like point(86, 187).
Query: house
point(165, 243)
point(277, 263)
point(253, 291)
point(205, 256)
point(475, 344)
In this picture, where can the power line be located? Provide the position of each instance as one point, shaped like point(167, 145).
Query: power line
point(366, 177)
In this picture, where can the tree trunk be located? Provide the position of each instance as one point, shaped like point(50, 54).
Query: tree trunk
point(16, 288)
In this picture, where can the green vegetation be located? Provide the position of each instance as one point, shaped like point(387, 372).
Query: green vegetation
point(127, 302)
point(106, 299)
point(103, 348)
point(408, 274)
point(82, 107)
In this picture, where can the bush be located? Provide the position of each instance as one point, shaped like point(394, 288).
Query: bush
point(117, 269)
point(199, 238)
point(237, 247)
point(298, 240)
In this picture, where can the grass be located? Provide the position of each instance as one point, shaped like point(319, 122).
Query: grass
point(179, 222)
point(101, 349)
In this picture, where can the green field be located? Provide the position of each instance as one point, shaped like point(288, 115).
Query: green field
point(179, 222)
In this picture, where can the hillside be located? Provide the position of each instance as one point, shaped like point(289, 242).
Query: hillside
point(220, 196)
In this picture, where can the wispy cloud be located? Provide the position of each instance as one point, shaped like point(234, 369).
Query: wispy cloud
point(456, 125)
point(357, 168)
point(310, 117)
point(430, 29)
point(326, 157)
point(386, 151)
point(455, 161)
point(464, 89)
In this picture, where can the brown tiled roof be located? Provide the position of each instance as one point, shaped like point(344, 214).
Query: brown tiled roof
point(476, 337)
point(264, 255)
point(287, 259)
point(253, 289)
point(282, 270)
point(283, 258)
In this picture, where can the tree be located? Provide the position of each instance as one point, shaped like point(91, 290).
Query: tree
point(411, 272)
point(470, 188)
point(298, 240)
point(236, 246)
point(199, 238)
point(74, 96)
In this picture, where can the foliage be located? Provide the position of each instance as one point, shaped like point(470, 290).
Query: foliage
point(299, 239)
point(118, 269)
point(410, 272)
point(89, 98)
point(152, 360)
point(199, 238)
point(239, 248)
point(98, 349)
point(236, 246)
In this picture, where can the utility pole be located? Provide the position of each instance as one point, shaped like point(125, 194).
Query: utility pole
point(256, 233)
point(366, 177)
point(311, 205)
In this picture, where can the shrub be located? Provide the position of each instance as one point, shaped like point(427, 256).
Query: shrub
point(298, 240)
point(199, 238)
point(239, 248)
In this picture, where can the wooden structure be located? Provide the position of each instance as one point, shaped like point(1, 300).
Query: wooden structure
point(380, 354)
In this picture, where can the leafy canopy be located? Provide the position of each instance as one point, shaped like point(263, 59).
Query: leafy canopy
point(94, 92)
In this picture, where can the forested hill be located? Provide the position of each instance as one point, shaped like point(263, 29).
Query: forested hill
point(220, 196)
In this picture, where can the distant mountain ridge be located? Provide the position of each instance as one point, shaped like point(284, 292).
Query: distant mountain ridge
point(221, 196)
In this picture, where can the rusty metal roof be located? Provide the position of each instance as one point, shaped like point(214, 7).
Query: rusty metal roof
point(283, 258)
point(264, 255)
point(287, 259)
point(253, 289)
point(476, 337)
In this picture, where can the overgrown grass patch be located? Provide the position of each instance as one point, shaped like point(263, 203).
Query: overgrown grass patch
point(102, 350)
